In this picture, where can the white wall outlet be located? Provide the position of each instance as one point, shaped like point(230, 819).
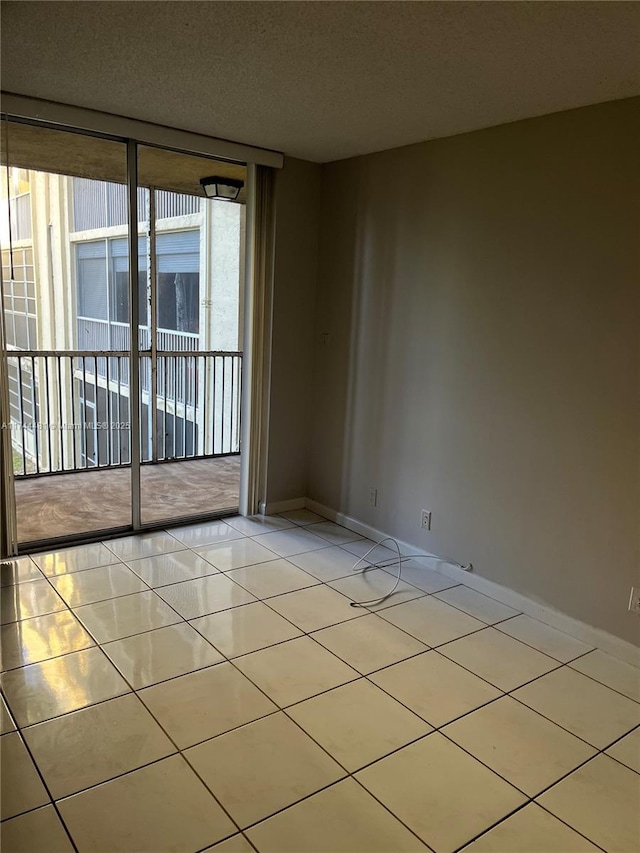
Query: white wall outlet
point(425, 519)
point(634, 599)
point(373, 497)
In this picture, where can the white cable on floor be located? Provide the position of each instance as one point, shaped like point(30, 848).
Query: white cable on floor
point(467, 568)
point(395, 586)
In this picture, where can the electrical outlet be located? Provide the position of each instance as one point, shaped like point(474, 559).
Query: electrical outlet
point(425, 519)
point(634, 600)
point(373, 497)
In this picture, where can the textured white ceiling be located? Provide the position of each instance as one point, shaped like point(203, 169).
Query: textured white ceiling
point(323, 80)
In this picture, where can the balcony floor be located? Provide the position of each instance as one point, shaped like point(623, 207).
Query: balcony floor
point(80, 502)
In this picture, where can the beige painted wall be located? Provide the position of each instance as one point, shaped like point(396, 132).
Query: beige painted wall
point(481, 297)
point(297, 198)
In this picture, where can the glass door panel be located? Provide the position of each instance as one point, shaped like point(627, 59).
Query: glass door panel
point(191, 365)
point(64, 226)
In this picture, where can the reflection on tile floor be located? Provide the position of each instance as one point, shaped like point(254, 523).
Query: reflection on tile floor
point(230, 699)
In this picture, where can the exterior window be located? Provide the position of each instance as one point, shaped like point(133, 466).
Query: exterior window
point(92, 280)
point(120, 297)
point(119, 278)
point(103, 280)
point(178, 262)
point(19, 296)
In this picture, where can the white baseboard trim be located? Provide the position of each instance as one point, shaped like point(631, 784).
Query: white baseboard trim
point(406, 548)
point(282, 506)
point(610, 644)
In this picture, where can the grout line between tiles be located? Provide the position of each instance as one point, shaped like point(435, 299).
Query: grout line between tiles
point(562, 820)
point(172, 741)
point(511, 814)
point(586, 675)
point(47, 790)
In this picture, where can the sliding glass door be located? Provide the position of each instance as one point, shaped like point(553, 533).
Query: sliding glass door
point(124, 344)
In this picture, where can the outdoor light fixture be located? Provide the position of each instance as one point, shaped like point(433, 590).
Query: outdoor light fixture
point(221, 188)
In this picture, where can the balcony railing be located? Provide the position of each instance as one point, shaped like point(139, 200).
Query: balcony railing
point(70, 410)
point(108, 335)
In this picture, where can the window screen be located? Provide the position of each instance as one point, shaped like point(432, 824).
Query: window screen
point(119, 258)
point(92, 280)
point(178, 262)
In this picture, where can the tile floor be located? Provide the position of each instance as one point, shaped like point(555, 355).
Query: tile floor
point(210, 688)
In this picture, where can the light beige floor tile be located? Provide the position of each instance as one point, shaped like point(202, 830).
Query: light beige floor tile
point(314, 608)
point(577, 703)
point(25, 600)
point(431, 621)
point(520, 745)
point(418, 574)
point(40, 830)
point(236, 844)
point(358, 723)
point(162, 808)
point(245, 629)
point(295, 670)
point(263, 767)
point(627, 750)
point(292, 541)
point(373, 584)
point(335, 534)
point(22, 788)
point(236, 554)
point(18, 570)
point(204, 595)
point(6, 723)
point(477, 605)
point(543, 637)
point(207, 533)
point(273, 578)
point(368, 643)
point(531, 830)
point(158, 655)
point(165, 569)
point(119, 735)
point(499, 659)
point(41, 638)
point(74, 559)
point(97, 584)
point(302, 516)
point(326, 564)
point(44, 690)
point(144, 545)
point(440, 792)
point(435, 688)
point(600, 800)
point(342, 819)
point(204, 704)
point(256, 524)
point(123, 617)
point(611, 671)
